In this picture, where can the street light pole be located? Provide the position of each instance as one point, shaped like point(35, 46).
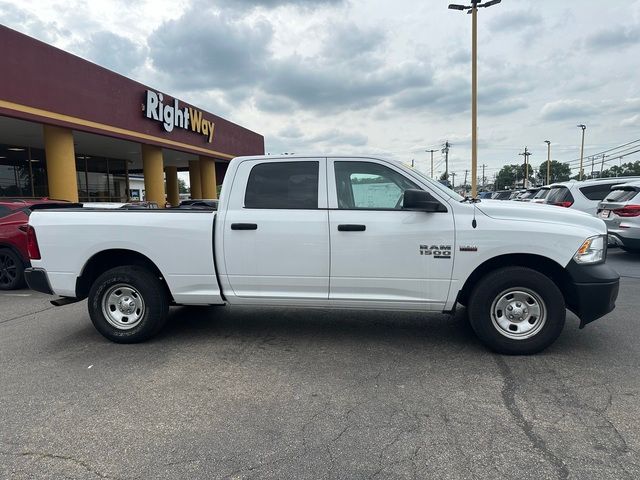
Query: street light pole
point(583, 127)
point(474, 99)
point(548, 161)
point(431, 151)
point(473, 10)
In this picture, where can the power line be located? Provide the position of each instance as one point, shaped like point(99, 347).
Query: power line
point(606, 151)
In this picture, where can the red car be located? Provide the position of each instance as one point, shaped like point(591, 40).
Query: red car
point(14, 215)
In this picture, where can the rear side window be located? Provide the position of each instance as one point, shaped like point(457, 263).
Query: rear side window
point(559, 194)
point(621, 195)
point(283, 185)
point(542, 193)
point(596, 192)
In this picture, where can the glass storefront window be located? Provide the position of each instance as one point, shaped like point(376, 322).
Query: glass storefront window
point(22, 172)
point(101, 179)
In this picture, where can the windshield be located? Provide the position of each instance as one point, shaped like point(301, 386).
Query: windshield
point(432, 183)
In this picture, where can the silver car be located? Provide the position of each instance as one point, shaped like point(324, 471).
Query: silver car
point(620, 210)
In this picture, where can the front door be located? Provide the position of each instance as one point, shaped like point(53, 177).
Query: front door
point(380, 252)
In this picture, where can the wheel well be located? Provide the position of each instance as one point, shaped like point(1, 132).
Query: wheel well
point(108, 259)
point(544, 265)
point(7, 246)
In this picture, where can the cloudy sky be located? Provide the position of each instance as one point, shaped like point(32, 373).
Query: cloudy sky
point(374, 76)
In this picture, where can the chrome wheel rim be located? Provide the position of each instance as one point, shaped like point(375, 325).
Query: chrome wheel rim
point(518, 313)
point(123, 306)
point(8, 270)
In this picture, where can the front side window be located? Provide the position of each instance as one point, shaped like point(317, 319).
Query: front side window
point(283, 185)
point(367, 185)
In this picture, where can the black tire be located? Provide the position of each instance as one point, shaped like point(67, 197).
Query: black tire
point(11, 270)
point(488, 319)
point(140, 284)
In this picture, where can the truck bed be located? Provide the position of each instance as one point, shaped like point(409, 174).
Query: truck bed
point(178, 241)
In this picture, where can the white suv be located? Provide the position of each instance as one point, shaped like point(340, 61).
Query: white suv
point(620, 210)
point(585, 195)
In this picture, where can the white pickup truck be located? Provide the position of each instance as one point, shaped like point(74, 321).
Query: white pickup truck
point(331, 232)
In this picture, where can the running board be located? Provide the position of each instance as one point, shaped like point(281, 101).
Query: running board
point(61, 302)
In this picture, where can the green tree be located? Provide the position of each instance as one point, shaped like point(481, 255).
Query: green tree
point(507, 176)
point(623, 170)
point(560, 172)
point(182, 186)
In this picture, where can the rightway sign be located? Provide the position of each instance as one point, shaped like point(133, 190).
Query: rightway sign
point(174, 115)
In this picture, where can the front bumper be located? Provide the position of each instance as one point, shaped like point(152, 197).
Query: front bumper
point(620, 239)
point(593, 290)
point(37, 280)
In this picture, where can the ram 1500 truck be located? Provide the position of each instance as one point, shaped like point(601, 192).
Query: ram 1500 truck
point(331, 232)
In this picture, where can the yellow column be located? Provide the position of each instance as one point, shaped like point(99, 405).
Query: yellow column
point(208, 177)
point(61, 163)
point(153, 174)
point(194, 179)
point(173, 190)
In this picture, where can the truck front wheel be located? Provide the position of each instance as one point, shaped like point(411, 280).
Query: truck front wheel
point(517, 311)
point(128, 304)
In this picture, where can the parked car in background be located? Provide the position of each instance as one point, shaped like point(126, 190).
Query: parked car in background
point(541, 196)
point(620, 210)
point(501, 195)
point(485, 195)
point(14, 216)
point(515, 194)
point(527, 195)
point(584, 195)
point(206, 203)
point(120, 205)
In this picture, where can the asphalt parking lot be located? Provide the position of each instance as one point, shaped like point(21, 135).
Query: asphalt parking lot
point(240, 393)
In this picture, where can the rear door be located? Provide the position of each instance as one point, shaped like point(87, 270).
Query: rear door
point(379, 252)
point(276, 238)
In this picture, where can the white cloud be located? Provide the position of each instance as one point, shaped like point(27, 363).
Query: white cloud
point(370, 75)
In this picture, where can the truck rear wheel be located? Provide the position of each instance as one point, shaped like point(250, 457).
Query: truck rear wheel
point(128, 304)
point(517, 311)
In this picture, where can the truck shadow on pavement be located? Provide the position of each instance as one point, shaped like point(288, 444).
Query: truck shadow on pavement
point(205, 323)
point(427, 331)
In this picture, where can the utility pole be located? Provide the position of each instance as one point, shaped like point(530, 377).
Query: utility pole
point(548, 161)
point(464, 185)
point(473, 9)
point(592, 163)
point(413, 163)
point(583, 127)
point(453, 180)
point(484, 179)
point(525, 154)
point(431, 151)
point(602, 166)
point(445, 150)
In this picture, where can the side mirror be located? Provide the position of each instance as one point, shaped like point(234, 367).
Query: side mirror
point(421, 201)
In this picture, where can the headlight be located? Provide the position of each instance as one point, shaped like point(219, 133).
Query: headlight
point(592, 250)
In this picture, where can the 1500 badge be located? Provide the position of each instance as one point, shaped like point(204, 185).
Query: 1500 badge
point(436, 251)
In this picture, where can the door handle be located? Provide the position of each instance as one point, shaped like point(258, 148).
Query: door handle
point(351, 228)
point(244, 226)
